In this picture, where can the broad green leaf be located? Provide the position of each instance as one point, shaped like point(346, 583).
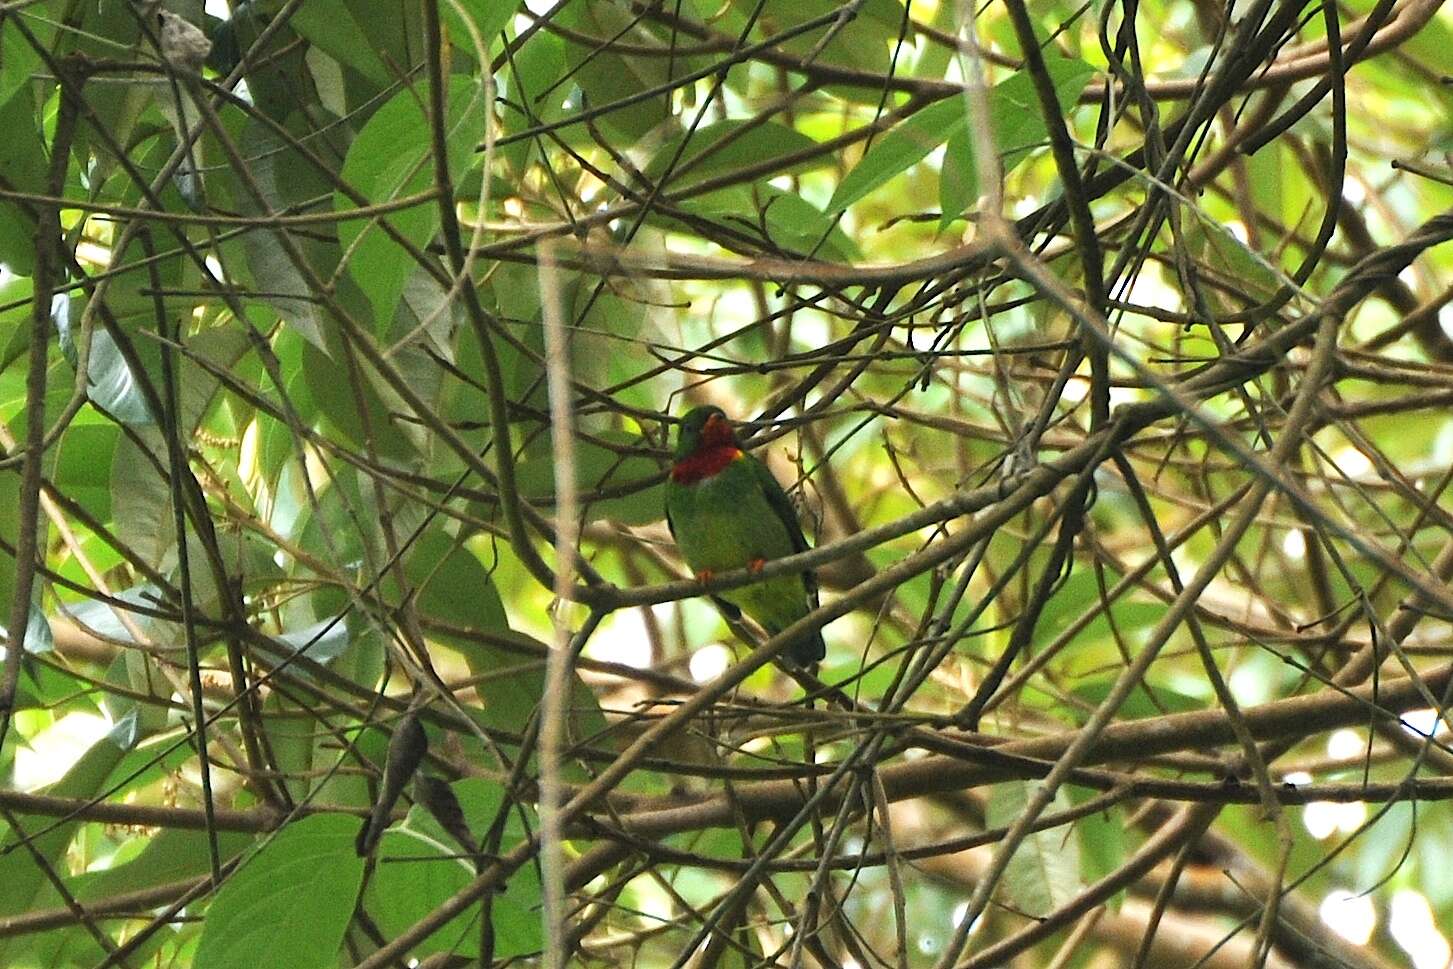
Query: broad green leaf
point(1018, 125)
point(1434, 845)
point(286, 288)
point(285, 179)
point(391, 158)
point(169, 855)
point(15, 311)
point(958, 180)
point(337, 529)
point(428, 316)
point(788, 221)
point(797, 225)
point(292, 735)
point(1148, 699)
point(113, 386)
point(18, 59)
point(613, 483)
point(1225, 252)
point(863, 42)
point(452, 585)
point(347, 398)
point(517, 926)
point(419, 867)
point(26, 887)
point(608, 78)
point(726, 146)
point(99, 31)
point(1044, 873)
point(415, 874)
point(290, 904)
point(903, 145)
point(49, 687)
point(1266, 177)
point(140, 496)
point(275, 68)
point(23, 160)
point(532, 95)
point(1014, 116)
point(1101, 839)
point(140, 491)
point(331, 26)
point(1382, 847)
point(83, 461)
point(1080, 595)
point(487, 17)
point(38, 636)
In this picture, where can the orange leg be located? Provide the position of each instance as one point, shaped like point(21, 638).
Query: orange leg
point(755, 566)
point(704, 576)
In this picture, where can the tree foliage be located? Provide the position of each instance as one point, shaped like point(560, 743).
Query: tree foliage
point(1102, 348)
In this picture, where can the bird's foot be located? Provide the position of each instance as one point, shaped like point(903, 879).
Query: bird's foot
point(755, 566)
point(705, 576)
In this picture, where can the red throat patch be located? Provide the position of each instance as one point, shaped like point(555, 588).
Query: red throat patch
point(705, 463)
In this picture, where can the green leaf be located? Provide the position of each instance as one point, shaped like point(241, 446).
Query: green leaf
point(613, 483)
point(531, 96)
point(789, 221)
point(451, 585)
point(390, 158)
point(608, 78)
point(517, 926)
point(863, 42)
point(1080, 595)
point(331, 27)
point(1101, 840)
point(419, 867)
point(18, 60)
point(1044, 873)
point(415, 874)
point(510, 685)
point(1148, 699)
point(140, 492)
point(902, 146)
point(797, 225)
point(26, 888)
point(285, 179)
point(290, 904)
point(1225, 252)
point(1014, 115)
point(112, 386)
point(487, 17)
point(169, 855)
point(15, 295)
point(351, 403)
point(83, 461)
point(724, 147)
point(1018, 125)
point(23, 159)
point(140, 496)
point(958, 181)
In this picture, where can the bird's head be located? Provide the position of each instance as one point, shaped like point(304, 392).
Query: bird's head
point(704, 428)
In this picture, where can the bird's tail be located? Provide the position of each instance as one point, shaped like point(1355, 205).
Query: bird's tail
point(806, 650)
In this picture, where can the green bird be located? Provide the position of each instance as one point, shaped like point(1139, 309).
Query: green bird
point(726, 511)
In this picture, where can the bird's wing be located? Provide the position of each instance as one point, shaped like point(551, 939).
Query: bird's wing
point(781, 505)
point(731, 611)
